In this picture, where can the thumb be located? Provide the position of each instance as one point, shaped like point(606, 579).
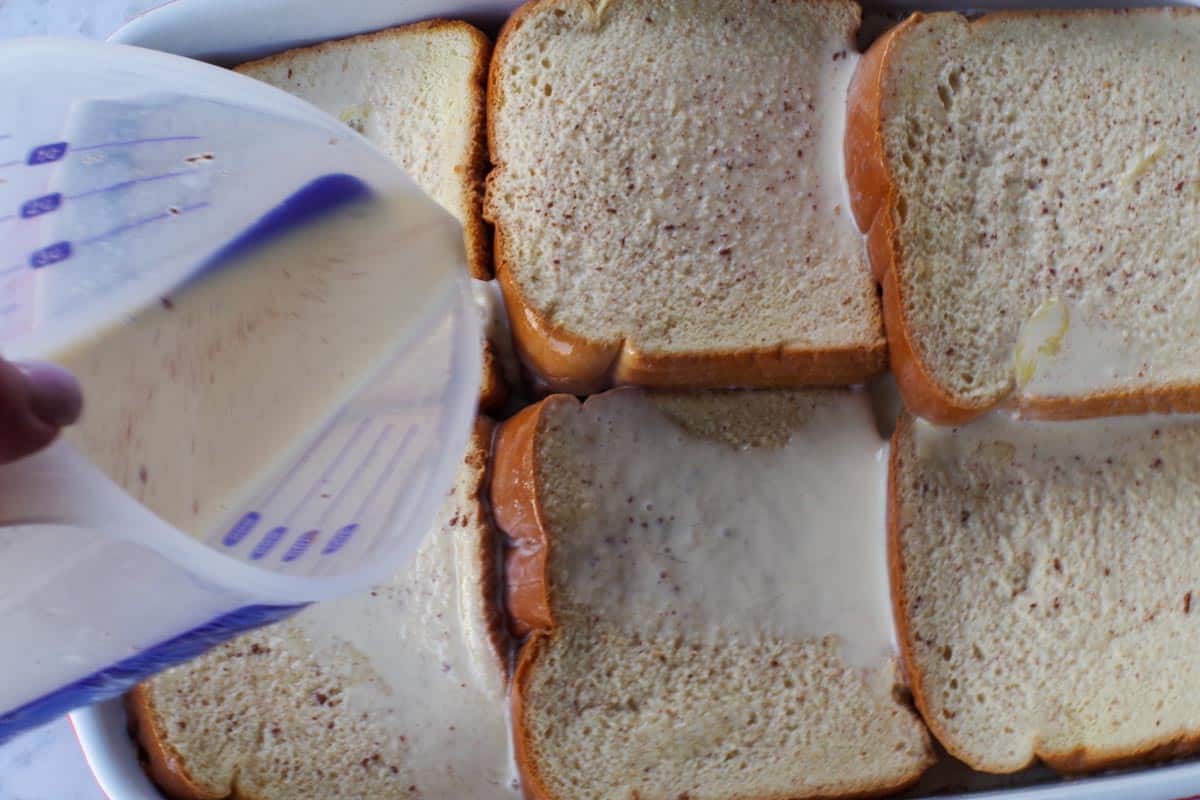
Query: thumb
point(36, 399)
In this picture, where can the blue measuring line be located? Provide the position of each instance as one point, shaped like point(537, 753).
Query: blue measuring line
point(131, 142)
point(128, 226)
point(49, 203)
point(61, 251)
point(55, 151)
point(274, 536)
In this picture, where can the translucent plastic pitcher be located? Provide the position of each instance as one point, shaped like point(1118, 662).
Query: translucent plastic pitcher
point(279, 353)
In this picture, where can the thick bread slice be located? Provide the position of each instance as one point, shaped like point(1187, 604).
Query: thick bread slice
point(398, 692)
point(1030, 183)
point(707, 612)
point(417, 93)
point(668, 194)
point(1046, 580)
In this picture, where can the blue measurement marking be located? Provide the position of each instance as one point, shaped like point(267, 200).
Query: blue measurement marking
point(54, 151)
point(300, 546)
point(325, 474)
point(50, 254)
point(328, 471)
point(46, 154)
point(11, 270)
point(130, 142)
point(339, 539)
point(126, 184)
point(268, 543)
point(241, 530)
point(52, 202)
point(140, 222)
point(41, 205)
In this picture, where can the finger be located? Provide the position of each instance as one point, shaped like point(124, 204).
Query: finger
point(34, 402)
point(55, 396)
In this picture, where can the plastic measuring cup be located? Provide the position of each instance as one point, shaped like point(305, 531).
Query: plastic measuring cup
point(127, 175)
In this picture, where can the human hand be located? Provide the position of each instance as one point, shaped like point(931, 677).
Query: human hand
point(36, 400)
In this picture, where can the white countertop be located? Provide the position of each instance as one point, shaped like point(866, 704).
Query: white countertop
point(47, 763)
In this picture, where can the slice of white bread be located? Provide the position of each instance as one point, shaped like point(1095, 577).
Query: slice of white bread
point(1046, 580)
point(395, 693)
point(668, 194)
point(1031, 184)
point(417, 93)
point(702, 581)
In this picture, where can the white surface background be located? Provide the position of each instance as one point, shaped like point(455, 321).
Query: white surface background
point(47, 763)
point(91, 18)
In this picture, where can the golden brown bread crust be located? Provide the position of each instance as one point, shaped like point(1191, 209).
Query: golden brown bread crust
point(1170, 399)
point(518, 514)
point(532, 784)
point(875, 202)
point(162, 763)
point(559, 360)
point(1077, 761)
point(474, 167)
point(491, 544)
point(873, 199)
point(517, 510)
point(477, 233)
point(493, 391)
point(567, 361)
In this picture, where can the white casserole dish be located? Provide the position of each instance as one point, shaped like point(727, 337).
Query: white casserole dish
point(231, 31)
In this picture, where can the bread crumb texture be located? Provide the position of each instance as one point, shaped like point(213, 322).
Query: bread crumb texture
point(416, 93)
point(398, 692)
point(1048, 157)
point(1049, 585)
point(614, 714)
point(668, 174)
point(620, 702)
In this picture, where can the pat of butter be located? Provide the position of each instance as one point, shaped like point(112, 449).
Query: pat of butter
point(1140, 164)
point(1041, 337)
point(355, 117)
